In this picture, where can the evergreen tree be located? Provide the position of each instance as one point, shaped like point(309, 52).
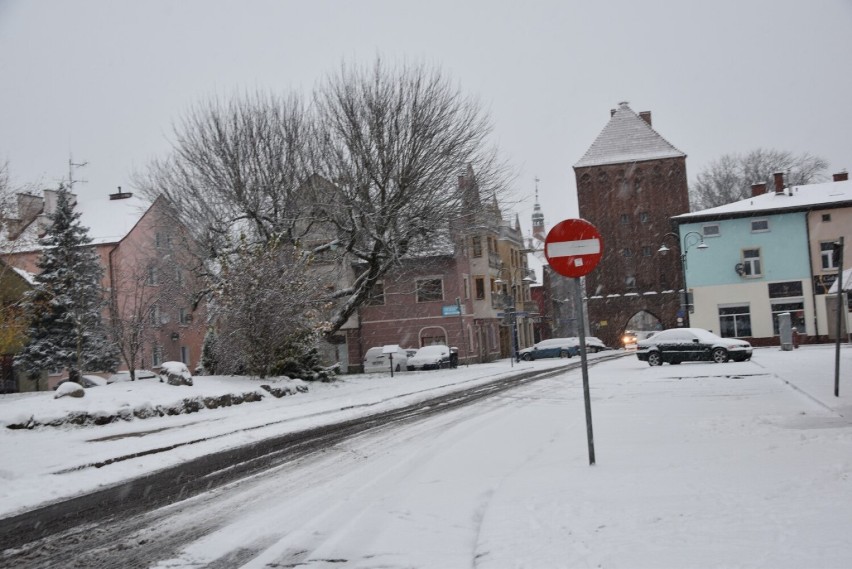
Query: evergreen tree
point(64, 307)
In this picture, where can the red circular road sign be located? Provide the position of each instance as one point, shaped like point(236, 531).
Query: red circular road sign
point(573, 247)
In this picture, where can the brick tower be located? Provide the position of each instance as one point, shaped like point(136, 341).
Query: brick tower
point(630, 182)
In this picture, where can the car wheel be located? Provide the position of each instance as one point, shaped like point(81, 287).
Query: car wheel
point(526, 357)
point(564, 354)
point(720, 355)
point(655, 359)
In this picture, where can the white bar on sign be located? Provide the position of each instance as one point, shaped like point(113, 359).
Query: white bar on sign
point(573, 248)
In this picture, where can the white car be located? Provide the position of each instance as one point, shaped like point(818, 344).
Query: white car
point(120, 376)
point(593, 345)
point(377, 360)
point(430, 357)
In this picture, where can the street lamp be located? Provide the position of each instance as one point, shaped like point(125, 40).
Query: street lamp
point(510, 299)
point(684, 248)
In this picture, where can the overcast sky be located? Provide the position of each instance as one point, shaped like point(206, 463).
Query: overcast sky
point(103, 80)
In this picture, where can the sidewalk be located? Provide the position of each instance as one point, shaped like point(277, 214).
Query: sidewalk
point(811, 370)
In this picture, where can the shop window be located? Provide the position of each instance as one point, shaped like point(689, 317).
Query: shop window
point(735, 321)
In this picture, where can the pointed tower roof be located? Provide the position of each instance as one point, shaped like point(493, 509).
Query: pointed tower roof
point(627, 137)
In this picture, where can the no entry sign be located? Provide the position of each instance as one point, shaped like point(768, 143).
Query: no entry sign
point(573, 247)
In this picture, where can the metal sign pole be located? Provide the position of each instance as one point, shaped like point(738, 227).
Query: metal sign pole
point(578, 301)
point(841, 311)
point(464, 336)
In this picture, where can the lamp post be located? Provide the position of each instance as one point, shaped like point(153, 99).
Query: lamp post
point(684, 248)
point(510, 301)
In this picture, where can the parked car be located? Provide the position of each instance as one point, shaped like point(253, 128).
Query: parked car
point(678, 345)
point(86, 381)
point(552, 348)
point(376, 360)
point(120, 376)
point(430, 357)
point(594, 345)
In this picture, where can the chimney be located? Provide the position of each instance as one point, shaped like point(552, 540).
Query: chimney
point(779, 182)
point(758, 189)
point(611, 112)
point(646, 116)
point(841, 176)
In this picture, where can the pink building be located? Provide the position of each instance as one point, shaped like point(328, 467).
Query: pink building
point(144, 255)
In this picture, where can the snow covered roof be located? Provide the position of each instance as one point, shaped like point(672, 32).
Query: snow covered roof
point(796, 198)
point(108, 220)
point(26, 275)
point(627, 137)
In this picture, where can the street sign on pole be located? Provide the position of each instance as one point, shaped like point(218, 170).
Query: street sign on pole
point(574, 248)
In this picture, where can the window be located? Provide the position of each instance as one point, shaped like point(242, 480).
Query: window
point(184, 355)
point(646, 251)
point(796, 308)
point(785, 290)
point(153, 276)
point(759, 225)
point(734, 321)
point(477, 246)
point(630, 282)
point(430, 290)
point(751, 262)
point(178, 277)
point(627, 252)
point(377, 295)
point(163, 240)
point(155, 315)
point(711, 230)
point(826, 217)
point(625, 219)
point(157, 356)
point(185, 316)
point(826, 255)
point(466, 287)
point(479, 283)
point(644, 217)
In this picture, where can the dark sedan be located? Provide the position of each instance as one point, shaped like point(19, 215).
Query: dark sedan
point(691, 345)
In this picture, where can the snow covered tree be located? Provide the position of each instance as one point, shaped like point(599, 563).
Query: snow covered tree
point(730, 177)
point(270, 309)
point(365, 175)
point(208, 352)
point(64, 307)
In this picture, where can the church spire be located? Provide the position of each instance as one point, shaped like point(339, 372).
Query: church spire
point(537, 216)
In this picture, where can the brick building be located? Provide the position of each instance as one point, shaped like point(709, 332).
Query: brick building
point(630, 183)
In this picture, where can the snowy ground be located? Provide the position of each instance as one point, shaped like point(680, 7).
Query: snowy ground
point(698, 465)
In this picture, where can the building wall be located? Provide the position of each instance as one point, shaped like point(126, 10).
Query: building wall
point(709, 299)
point(631, 205)
point(402, 320)
point(785, 266)
point(783, 250)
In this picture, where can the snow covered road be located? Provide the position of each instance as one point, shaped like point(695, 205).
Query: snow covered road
point(698, 465)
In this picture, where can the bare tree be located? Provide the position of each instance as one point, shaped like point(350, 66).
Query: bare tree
point(133, 303)
point(366, 175)
point(393, 142)
point(235, 169)
point(729, 178)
